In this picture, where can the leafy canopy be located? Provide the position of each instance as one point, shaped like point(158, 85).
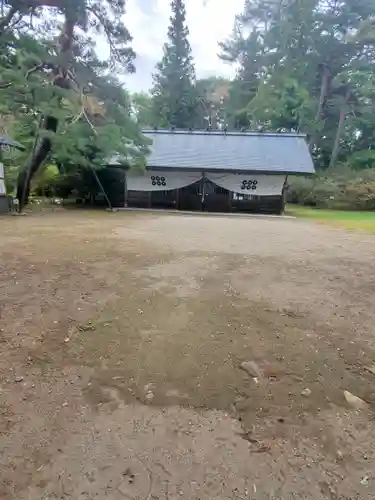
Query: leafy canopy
point(173, 93)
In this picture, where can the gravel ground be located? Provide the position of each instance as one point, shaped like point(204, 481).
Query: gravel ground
point(122, 337)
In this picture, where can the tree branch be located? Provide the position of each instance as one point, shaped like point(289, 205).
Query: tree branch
point(28, 6)
point(76, 119)
point(91, 125)
point(84, 113)
point(37, 68)
point(4, 86)
point(58, 4)
point(5, 21)
point(94, 12)
point(115, 53)
point(43, 65)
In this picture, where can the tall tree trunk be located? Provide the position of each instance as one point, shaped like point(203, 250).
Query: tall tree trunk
point(40, 152)
point(43, 146)
point(336, 144)
point(322, 98)
point(339, 131)
point(323, 92)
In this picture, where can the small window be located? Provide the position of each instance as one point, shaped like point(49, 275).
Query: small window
point(244, 197)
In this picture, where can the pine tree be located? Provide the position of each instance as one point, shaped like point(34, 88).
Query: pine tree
point(173, 93)
point(307, 66)
point(68, 41)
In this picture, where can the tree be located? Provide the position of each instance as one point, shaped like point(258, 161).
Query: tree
point(308, 67)
point(246, 52)
point(280, 104)
point(212, 101)
point(69, 47)
point(246, 47)
point(142, 107)
point(173, 93)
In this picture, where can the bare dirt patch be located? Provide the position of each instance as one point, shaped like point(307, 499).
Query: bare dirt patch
point(121, 340)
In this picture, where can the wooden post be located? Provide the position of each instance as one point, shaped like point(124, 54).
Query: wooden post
point(177, 198)
point(203, 194)
point(125, 190)
point(101, 188)
point(283, 197)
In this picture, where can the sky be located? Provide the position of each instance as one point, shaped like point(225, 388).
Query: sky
point(209, 21)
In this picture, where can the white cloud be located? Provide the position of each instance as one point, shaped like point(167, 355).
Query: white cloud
point(148, 21)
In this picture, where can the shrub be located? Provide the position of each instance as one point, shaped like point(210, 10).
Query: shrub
point(341, 188)
point(300, 189)
point(315, 192)
point(360, 194)
point(43, 183)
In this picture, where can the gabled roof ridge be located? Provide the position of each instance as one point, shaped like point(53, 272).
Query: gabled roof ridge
point(221, 133)
point(230, 152)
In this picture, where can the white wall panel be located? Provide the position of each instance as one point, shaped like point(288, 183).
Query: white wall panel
point(261, 185)
point(158, 180)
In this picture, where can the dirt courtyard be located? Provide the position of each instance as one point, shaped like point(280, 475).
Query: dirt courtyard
point(122, 336)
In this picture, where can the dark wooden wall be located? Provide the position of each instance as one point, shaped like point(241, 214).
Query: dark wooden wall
point(216, 199)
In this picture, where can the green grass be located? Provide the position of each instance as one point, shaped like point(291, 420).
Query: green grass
point(353, 220)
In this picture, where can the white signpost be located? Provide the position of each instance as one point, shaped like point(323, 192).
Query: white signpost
point(2, 181)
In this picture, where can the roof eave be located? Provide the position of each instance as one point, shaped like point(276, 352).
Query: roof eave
point(222, 133)
point(234, 171)
point(7, 141)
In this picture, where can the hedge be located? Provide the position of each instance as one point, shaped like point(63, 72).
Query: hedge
point(341, 188)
